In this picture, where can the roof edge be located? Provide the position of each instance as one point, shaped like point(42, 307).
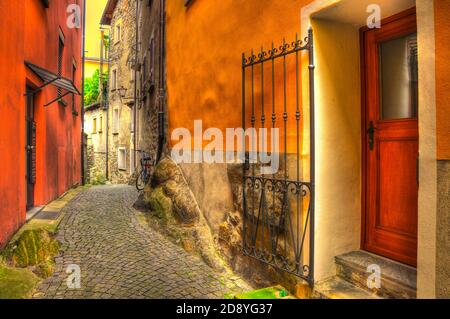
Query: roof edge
point(108, 12)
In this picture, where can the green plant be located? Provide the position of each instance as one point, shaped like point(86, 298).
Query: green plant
point(92, 87)
point(16, 283)
point(33, 248)
point(98, 180)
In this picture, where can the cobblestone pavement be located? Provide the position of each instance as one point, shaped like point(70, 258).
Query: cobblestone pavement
point(119, 257)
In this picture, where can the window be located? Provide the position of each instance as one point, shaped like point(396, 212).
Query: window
point(100, 124)
point(60, 59)
point(94, 126)
point(399, 78)
point(74, 74)
point(152, 59)
point(122, 158)
point(118, 33)
point(133, 115)
point(114, 80)
point(144, 69)
point(116, 120)
point(132, 168)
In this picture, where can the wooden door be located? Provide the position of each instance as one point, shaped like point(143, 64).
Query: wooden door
point(30, 149)
point(391, 139)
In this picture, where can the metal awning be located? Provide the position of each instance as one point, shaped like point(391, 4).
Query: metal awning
point(51, 78)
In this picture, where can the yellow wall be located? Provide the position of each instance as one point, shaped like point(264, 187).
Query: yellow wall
point(94, 11)
point(90, 67)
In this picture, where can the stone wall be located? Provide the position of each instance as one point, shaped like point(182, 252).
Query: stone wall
point(121, 61)
point(443, 233)
point(149, 77)
point(96, 144)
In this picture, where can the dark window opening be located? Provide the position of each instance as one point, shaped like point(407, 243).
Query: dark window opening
point(60, 64)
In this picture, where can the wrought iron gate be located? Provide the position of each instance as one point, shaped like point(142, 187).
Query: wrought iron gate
point(279, 208)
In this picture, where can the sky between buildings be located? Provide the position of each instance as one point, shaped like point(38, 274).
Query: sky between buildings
point(94, 11)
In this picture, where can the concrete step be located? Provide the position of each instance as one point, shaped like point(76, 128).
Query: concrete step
point(397, 280)
point(338, 288)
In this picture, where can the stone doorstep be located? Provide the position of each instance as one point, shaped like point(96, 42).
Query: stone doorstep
point(52, 211)
point(33, 212)
point(397, 280)
point(338, 288)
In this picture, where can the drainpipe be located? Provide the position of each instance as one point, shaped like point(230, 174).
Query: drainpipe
point(100, 79)
point(107, 106)
point(83, 58)
point(162, 93)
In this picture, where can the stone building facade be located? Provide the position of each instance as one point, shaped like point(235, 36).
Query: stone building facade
point(150, 85)
point(95, 118)
point(120, 15)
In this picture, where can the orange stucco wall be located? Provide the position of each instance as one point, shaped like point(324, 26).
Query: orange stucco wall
point(442, 31)
point(204, 58)
point(29, 32)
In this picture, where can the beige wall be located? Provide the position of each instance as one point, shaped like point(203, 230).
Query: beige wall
point(338, 135)
point(426, 260)
point(97, 139)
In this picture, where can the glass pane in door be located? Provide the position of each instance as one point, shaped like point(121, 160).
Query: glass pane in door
point(399, 78)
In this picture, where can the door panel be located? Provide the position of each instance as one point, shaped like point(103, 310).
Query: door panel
point(397, 185)
point(391, 139)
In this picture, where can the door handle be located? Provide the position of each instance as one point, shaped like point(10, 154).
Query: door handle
point(371, 132)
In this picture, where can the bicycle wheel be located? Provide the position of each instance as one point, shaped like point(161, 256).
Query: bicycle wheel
point(140, 181)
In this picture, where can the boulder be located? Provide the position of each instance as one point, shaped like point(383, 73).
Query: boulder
point(185, 207)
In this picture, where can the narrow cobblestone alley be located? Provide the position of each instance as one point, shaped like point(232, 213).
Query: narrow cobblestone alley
point(119, 257)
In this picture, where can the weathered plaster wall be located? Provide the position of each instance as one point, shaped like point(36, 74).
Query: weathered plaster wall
point(211, 187)
point(442, 29)
point(443, 231)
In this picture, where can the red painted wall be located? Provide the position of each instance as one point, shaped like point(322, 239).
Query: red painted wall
point(29, 32)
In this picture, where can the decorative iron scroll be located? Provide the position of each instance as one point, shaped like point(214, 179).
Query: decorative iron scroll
point(278, 210)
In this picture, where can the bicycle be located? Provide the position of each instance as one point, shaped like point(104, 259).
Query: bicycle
point(146, 170)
